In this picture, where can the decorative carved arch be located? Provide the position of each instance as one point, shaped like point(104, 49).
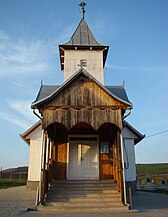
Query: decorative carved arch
point(94, 117)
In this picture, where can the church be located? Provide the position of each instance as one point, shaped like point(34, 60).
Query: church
point(82, 136)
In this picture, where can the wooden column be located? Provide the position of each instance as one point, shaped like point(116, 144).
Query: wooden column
point(49, 162)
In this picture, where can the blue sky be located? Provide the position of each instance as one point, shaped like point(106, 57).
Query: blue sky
point(135, 30)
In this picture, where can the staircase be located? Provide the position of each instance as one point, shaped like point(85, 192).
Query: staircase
point(88, 196)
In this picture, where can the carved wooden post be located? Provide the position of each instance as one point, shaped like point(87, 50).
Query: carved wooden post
point(49, 162)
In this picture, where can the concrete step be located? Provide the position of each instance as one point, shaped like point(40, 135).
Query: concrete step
point(82, 210)
point(84, 190)
point(83, 196)
point(63, 182)
point(85, 199)
point(83, 204)
point(81, 191)
point(89, 186)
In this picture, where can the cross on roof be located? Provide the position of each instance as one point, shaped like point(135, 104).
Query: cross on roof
point(82, 5)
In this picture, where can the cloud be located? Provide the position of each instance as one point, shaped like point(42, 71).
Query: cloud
point(22, 107)
point(14, 120)
point(21, 114)
point(29, 57)
point(20, 57)
point(145, 69)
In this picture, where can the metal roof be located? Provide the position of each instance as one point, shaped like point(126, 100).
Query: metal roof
point(45, 91)
point(48, 91)
point(118, 91)
point(83, 36)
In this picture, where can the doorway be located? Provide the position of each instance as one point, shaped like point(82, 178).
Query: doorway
point(83, 158)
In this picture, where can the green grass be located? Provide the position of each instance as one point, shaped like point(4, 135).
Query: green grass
point(156, 168)
point(151, 169)
point(7, 183)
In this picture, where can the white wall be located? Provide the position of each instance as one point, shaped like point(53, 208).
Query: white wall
point(94, 63)
point(129, 158)
point(129, 154)
point(35, 155)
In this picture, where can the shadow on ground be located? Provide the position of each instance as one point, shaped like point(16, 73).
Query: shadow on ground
point(146, 201)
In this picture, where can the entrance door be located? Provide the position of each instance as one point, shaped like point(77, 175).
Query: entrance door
point(83, 160)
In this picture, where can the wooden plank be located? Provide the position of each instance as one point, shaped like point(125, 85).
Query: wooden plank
point(95, 117)
point(86, 93)
point(61, 161)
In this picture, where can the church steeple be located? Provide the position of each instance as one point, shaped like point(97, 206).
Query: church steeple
point(83, 46)
point(83, 36)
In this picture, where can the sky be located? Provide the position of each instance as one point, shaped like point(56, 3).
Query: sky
point(135, 30)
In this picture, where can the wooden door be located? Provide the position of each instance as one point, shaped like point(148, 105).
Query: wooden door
point(106, 162)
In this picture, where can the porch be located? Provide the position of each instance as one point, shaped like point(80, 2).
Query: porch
point(81, 153)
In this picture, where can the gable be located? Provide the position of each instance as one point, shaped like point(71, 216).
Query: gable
point(82, 92)
point(33, 133)
point(130, 132)
point(80, 73)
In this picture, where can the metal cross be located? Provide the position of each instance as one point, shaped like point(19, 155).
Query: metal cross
point(82, 5)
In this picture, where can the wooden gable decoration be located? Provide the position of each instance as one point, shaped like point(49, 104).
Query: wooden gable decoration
point(82, 100)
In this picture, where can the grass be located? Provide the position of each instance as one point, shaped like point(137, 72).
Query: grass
point(7, 183)
point(152, 170)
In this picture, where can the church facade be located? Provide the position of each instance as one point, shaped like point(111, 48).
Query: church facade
point(82, 133)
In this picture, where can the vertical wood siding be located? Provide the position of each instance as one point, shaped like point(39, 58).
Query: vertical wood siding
point(60, 161)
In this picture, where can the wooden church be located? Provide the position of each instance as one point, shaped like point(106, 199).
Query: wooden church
point(82, 142)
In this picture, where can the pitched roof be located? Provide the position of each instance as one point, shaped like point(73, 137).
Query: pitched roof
point(83, 36)
point(49, 91)
point(29, 131)
point(134, 131)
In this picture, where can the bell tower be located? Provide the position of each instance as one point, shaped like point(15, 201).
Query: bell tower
point(83, 50)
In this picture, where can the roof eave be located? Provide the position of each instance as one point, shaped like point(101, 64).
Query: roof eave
point(24, 139)
point(64, 47)
point(136, 132)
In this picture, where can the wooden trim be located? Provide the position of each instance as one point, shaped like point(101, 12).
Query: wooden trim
point(95, 117)
point(113, 107)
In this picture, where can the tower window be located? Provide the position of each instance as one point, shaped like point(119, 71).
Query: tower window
point(83, 63)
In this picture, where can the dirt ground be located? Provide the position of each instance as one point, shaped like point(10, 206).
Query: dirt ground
point(15, 201)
